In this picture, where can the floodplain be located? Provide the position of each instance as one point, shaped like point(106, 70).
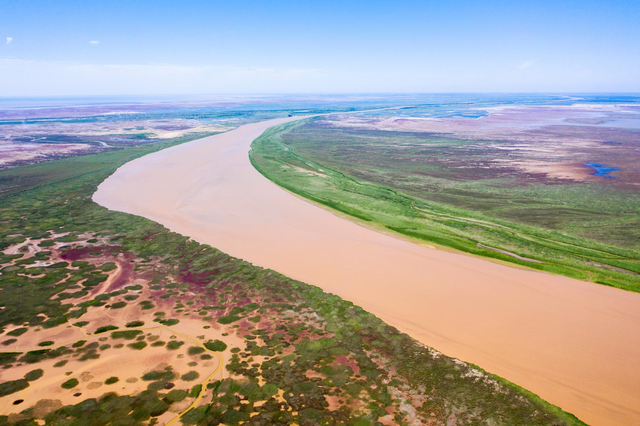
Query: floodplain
point(111, 317)
point(209, 190)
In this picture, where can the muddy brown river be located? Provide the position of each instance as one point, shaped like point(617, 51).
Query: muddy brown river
point(575, 344)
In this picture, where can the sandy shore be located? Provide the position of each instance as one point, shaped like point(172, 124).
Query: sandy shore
point(573, 343)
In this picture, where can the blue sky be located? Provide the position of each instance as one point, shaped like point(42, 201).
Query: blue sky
point(183, 47)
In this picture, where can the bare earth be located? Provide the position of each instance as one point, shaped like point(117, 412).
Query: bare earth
point(575, 344)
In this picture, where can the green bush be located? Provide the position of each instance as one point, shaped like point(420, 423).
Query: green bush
point(195, 350)
point(111, 380)
point(69, 384)
point(228, 319)
point(108, 267)
point(125, 334)
point(138, 345)
point(118, 305)
point(17, 332)
point(105, 329)
point(216, 345)
point(158, 375)
point(34, 374)
point(7, 388)
point(190, 376)
point(173, 345)
point(176, 395)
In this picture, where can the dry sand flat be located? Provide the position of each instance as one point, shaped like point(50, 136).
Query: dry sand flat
point(573, 343)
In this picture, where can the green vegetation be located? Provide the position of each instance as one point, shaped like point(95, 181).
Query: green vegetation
point(354, 357)
point(158, 375)
point(390, 180)
point(7, 388)
point(216, 346)
point(174, 345)
point(105, 329)
point(138, 345)
point(70, 384)
point(126, 334)
point(190, 376)
point(18, 331)
point(111, 380)
point(109, 409)
point(228, 319)
point(34, 374)
point(195, 350)
point(176, 395)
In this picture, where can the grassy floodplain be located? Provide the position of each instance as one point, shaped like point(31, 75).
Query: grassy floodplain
point(306, 357)
point(581, 231)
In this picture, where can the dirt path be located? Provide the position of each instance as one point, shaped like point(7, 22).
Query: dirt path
point(575, 344)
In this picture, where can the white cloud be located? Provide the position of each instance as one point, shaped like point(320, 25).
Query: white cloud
point(61, 78)
point(9, 39)
point(526, 64)
point(94, 42)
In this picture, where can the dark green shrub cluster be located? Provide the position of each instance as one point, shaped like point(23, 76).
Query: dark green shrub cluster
point(69, 384)
point(216, 345)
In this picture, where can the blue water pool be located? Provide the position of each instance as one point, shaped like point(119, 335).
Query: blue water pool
point(602, 169)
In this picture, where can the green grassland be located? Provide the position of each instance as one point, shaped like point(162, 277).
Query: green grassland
point(361, 363)
point(387, 180)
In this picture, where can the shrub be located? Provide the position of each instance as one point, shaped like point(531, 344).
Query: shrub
point(158, 375)
point(107, 267)
point(174, 344)
point(69, 384)
point(34, 375)
point(125, 334)
point(7, 388)
point(111, 380)
point(138, 345)
point(118, 305)
point(176, 395)
point(216, 345)
point(190, 376)
point(228, 319)
point(195, 350)
point(195, 391)
point(17, 332)
point(105, 329)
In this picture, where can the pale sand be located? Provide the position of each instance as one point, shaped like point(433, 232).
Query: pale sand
point(575, 344)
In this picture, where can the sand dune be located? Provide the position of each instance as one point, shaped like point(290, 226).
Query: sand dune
point(573, 343)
